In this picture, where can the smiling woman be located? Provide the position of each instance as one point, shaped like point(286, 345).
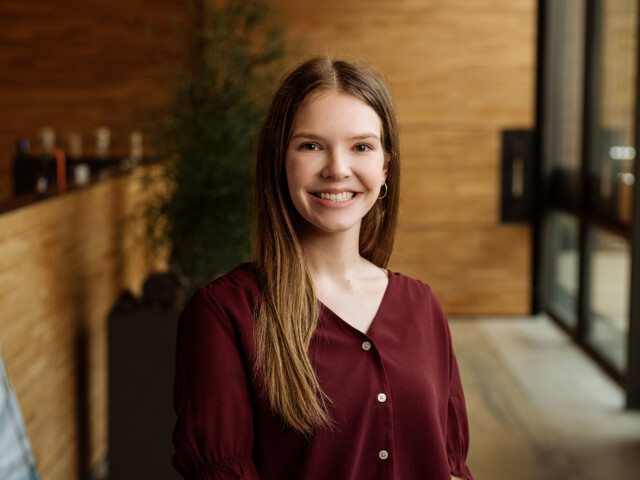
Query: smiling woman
point(314, 361)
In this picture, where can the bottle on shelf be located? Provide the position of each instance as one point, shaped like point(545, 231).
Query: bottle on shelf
point(61, 170)
point(135, 151)
point(43, 175)
point(103, 142)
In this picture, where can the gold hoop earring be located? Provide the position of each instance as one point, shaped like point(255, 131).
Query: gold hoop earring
point(386, 190)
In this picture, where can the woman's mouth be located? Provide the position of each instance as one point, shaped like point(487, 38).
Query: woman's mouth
point(335, 197)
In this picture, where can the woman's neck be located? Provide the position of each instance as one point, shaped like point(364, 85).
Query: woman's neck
point(346, 283)
point(335, 255)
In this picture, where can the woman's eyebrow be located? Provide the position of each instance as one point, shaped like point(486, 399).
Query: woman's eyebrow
point(313, 136)
point(364, 136)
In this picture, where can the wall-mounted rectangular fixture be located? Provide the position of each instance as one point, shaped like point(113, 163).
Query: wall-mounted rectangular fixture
point(517, 176)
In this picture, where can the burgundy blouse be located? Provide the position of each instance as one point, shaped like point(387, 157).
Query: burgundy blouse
point(395, 392)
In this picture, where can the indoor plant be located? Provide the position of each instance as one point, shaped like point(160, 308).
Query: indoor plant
point(200, 209)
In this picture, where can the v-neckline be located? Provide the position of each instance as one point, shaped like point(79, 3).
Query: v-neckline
point(383, 300)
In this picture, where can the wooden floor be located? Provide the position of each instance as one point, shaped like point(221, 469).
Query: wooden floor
point(538, 407)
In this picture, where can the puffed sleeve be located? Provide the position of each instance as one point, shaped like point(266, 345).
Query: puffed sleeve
point(213, 435)
point(457, 424)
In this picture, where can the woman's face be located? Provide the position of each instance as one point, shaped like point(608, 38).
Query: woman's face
point(335, 162)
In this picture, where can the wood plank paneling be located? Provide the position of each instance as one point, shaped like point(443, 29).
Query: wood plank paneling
point(450, 177)
point(63, 263)
point(460, 72)
point(473, 269)
point(461, 64)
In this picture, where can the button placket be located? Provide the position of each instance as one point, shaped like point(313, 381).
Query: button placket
point(381, 397)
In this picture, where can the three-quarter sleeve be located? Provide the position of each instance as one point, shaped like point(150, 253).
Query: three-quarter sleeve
point(457, 424)
point(213, 435)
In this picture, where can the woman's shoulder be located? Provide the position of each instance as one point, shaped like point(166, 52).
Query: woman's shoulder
point(242, 277)
point(414, 292)
point(410, 284)
point(238, 286)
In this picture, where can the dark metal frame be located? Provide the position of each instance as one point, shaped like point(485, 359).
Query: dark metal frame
point(538, 193)
point(589, 123)
point(633, 378)
point(630, 380)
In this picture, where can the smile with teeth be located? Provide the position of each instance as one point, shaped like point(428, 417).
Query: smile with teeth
point(336, 197)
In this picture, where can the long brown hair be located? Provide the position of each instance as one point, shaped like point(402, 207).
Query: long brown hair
point(288, 314)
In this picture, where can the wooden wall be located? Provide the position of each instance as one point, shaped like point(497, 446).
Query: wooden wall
point(461, 71)
point(75, 65)
point(63, 263)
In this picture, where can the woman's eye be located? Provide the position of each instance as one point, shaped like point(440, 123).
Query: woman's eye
point(309, 147)
point(363, 147)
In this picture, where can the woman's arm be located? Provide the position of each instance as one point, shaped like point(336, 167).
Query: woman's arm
point(457, 424)
point(213, 435)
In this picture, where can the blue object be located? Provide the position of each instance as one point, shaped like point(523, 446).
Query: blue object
point(24, 146)
point(16, 457)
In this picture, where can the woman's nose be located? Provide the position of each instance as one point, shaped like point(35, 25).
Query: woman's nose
point(337, 165)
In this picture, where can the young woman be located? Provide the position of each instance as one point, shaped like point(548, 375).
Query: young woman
point(313, 362)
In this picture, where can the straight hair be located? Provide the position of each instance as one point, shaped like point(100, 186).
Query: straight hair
point(288, 314)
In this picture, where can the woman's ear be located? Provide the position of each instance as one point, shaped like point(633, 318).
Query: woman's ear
point(385, 170)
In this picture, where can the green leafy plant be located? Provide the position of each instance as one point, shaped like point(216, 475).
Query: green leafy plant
point(200, 212)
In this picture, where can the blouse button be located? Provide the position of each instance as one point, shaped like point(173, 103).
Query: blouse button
point(382, 397)
point(366, 346)
point(383, 454)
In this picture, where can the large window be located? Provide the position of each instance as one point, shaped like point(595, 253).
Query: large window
point(588, 134)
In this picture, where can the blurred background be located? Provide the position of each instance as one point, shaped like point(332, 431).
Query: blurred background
point(126, 139)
